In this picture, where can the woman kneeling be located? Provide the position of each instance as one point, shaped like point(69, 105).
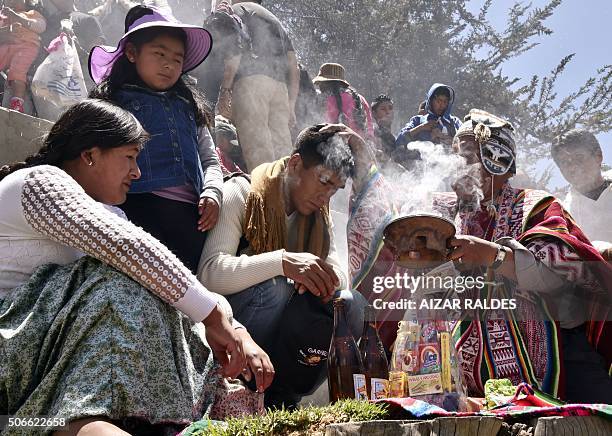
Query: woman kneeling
point(100, 322)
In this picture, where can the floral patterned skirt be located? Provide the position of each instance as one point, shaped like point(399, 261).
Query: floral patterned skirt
point(84, 340)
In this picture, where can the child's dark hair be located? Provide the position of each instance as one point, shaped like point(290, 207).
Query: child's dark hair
point(574, 139)
point(382, 98)
point(89, 123)
point(442, 90)
point(317, 148)
point(124, 72)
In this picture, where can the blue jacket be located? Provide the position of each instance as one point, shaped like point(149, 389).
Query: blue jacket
point(451, 122)
point(170, 158)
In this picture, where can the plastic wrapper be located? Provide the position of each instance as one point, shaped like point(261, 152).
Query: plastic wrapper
point(58, 82)
point(424, 365)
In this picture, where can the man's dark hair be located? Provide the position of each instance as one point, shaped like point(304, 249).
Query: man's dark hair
point(573, 139)
point(442, 90)
point(380, 99)
point(317, 148)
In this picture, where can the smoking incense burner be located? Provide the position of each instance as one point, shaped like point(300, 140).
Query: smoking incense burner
point(419, 240)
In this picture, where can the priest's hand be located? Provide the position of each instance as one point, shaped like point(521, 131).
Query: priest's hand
point(471, 251)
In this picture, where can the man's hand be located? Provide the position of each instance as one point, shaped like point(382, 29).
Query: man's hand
point(439, 136)
point(225, 343)
point(310, 271)
point(472, 251)
point(362, 153)
point(429, 125)
point(258, 362)
point(354, 141)
point(209, 213)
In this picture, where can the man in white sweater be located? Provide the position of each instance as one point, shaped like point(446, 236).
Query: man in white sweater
point(578, 155)
point(274, 241)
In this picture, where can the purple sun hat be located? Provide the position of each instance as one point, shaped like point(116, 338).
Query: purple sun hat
point(198, 45)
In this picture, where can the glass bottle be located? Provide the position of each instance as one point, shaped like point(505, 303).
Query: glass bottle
point(374, 358)
point(346, 377)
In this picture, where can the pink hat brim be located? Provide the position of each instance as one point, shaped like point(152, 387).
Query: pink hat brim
point(198, 46)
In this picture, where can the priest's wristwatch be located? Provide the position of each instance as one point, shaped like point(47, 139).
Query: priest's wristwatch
point(499, 257)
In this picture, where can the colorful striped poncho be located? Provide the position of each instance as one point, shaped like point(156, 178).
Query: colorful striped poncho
point(525, 350)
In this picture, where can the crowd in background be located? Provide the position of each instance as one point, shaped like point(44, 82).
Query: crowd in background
point(251, 67)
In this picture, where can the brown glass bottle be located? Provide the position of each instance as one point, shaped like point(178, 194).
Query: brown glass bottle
point(374, 359)
point(346, 377)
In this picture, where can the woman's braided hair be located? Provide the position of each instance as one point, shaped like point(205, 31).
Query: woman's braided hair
point(359, 116)
point(89, 123)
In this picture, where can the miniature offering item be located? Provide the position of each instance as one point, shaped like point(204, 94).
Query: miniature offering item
point(424, 365)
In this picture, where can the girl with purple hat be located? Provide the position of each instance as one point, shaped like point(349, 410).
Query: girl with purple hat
point(177, 198)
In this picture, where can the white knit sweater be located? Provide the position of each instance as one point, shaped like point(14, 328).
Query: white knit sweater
point(46, 217)
point(223, 272)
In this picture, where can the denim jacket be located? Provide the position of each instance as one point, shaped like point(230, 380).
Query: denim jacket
point(170, 158)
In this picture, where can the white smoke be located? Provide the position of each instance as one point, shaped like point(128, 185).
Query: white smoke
point(438, 170)
point(336, 153)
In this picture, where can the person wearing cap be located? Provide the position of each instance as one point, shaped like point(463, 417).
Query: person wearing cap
point(227, 147)
point(555, 338)
point(343, 103)
point(177, 199)
point(260, 80)
point(578, 155)
point(382, 111)
point(274, 243)
point(437, 124)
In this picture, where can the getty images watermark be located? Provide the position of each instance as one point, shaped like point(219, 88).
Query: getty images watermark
point(442, 289)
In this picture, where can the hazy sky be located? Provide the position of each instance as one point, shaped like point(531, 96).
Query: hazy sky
point(581, 27)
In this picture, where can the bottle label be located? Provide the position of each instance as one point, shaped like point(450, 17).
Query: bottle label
point(361, 389)
point(424, 384)
point(379, 388)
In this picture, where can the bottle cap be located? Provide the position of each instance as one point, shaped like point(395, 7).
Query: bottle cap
point(338, 301)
